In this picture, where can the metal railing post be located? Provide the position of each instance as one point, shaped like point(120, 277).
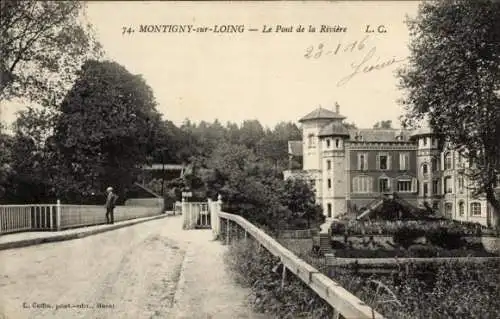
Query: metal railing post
point(228, 230)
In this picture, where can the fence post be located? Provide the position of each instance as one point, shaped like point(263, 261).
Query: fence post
point(58, 215)
point(184, 213)
point(283, 276)
point(228, 230)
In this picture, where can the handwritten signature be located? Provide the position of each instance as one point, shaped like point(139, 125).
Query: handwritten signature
point(366, 66)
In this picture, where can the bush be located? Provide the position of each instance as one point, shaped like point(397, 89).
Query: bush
point(406, 236)
point(422, 251)
point(337, 228)
point(255, 269)
point(446, 238)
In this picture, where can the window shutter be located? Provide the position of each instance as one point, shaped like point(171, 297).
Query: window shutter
point(366, 162)
point(378, 162)
point(389, 180)
point(389, 162)
point(414, 185)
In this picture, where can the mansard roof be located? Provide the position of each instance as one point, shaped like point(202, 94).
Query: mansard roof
point(425, 128)
point(379, 135)
point(335, 128)
point(322, 114)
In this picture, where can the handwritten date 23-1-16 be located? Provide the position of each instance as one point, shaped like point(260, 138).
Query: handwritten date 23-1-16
point(316, 52)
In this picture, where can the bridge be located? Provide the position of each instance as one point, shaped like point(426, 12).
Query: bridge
point(165, 266)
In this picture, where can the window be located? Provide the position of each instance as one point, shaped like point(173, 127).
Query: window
point(311, 141)
point(448, 208)
point(460, 184)
point(329, 209)
point(329, 183)
point(425, 169)
point(328, 142)
point(337, 143)
point(448, 185)
point(362, 162)
point(404, 161)
point(404, 186)
point(475, 209)
point(383, 161)
point(383, 185)
point(435, 187)
point(424, 141)
point(328, 165)
point(426, 189)
point(448, 161)
point(362, 184)
point(435, 164)
point(461, 209)
point(435, 206)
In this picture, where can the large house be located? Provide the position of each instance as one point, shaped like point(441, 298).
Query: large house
point(352, 168)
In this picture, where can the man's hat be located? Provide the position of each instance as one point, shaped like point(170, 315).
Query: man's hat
point(109, 189)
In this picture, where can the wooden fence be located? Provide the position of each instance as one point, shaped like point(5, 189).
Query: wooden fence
point(17, 218)
point(342, 301)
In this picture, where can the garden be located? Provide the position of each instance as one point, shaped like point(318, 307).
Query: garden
point(412, 238)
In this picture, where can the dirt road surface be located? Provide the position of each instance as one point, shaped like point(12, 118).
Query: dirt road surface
point(150, 270)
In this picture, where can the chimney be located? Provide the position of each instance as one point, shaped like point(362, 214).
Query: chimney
point(337, 108)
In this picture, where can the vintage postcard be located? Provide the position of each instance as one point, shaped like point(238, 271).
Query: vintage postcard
point(164, 159)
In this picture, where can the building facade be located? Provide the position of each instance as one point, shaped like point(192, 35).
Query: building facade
point(350, 168)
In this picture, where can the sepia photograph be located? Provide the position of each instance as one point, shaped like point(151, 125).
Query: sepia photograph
point(250, 159)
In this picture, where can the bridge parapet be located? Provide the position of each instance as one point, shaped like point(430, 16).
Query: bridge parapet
point(51, 217)
point(342, 301)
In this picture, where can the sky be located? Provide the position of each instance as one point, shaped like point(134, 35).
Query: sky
point(272, 76)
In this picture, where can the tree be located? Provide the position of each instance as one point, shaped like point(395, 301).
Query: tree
point(34, 160)
point(453, 77)
point(6, 159)
point(350, 125)
point(42, 44)
point(299, 198)
point(106, 128)
point(382, 125)
point(251, 131)
point(273, 146)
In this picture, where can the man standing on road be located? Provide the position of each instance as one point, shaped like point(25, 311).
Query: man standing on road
point(110, 205)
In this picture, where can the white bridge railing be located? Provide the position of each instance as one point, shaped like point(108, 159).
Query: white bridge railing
point(17, 218)
point(344, 303)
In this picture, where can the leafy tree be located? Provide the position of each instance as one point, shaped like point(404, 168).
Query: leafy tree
point(299, 198)
point(106, 128)
point(350, 125)
point(383, 125)
point(42, 44)
point(453, 76)
point(32, 158)
point(251, 131)
point(6, 159)
point(274, 145)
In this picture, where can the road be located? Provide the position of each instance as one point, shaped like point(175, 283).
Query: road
point(132, 272)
